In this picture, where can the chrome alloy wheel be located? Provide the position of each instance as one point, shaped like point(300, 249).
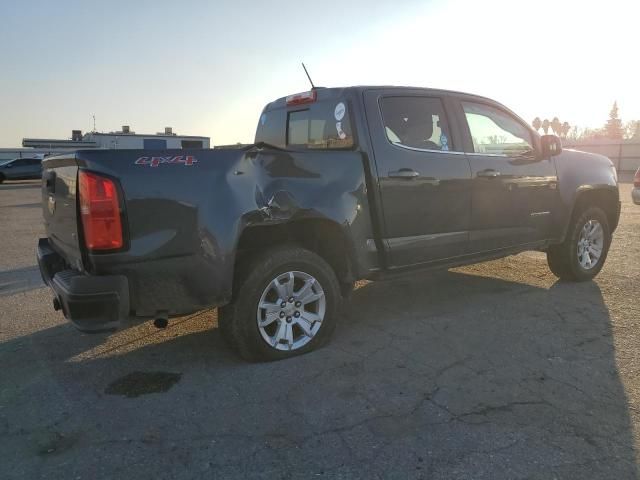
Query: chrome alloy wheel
point(291, 310)
point(590, 244)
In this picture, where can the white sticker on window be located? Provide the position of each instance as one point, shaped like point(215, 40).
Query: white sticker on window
point(444, 142)
point(263, 119)
point(341, 133)
point(339, 111)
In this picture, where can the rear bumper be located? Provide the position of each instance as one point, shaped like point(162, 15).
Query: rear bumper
point(635, 195)
point(91, 303)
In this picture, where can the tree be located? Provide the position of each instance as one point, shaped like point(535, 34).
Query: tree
point(545, 126)
point(593, 133)
point(632, 130)
point(556, 126)
point(564, 130)
point(575, 133)
point(613, 128)
point(537, 123)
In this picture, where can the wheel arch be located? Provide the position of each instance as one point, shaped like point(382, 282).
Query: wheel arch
point(324, 237)
point(585, 179)
point(604, 197)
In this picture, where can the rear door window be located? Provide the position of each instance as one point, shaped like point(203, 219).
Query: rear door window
point(416, 122)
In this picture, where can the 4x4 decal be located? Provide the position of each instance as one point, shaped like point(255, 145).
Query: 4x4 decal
point(157, 161)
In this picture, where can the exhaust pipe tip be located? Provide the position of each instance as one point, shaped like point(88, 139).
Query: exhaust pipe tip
point(56, 304)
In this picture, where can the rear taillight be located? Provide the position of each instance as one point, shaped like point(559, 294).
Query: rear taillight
point(100, 212)
point(636, 179)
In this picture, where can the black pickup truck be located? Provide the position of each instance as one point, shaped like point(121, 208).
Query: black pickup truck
point(341, 184)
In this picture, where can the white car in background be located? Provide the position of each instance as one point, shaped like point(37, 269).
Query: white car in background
point(635, 193)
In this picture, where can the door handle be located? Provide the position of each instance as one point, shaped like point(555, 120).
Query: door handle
point(488, 173)
point(406, 173)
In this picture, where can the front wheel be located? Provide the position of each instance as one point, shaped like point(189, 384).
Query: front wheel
point(286, 304)
point(583, 253)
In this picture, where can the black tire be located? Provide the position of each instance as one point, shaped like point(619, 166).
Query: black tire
point(1, 178)
point(346, 289)
point(563, 257)
point(237, 320)
point(224, 325)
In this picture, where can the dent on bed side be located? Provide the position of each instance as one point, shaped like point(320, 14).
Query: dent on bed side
point(323, 201)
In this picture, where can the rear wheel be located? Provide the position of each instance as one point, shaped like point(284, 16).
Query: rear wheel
point(1, 178)
point(583, 253)
point(286, 304)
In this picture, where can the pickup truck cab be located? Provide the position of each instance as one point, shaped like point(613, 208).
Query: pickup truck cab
point(341, 184)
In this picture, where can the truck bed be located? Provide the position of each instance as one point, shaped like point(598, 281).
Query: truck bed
point(184, 211)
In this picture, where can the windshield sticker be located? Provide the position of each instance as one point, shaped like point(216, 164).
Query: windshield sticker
point(341, 133)
point(263, 119)
point(339, 111)
point(157, 161)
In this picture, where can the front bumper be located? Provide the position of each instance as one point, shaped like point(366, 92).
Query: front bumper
point(91, 303)
point(635, 195)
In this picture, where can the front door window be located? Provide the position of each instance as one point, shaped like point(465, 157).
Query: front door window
point(495, 132)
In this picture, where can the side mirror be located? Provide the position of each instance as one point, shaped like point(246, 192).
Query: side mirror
point(551, 145)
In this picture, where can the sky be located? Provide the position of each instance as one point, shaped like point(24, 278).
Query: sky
point(208, 67)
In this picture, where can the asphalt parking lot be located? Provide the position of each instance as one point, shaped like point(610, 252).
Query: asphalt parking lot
point(493, 371)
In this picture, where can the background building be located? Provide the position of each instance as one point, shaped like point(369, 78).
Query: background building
point(123, 139)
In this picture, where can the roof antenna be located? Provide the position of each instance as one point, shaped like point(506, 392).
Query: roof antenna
point(313, 87)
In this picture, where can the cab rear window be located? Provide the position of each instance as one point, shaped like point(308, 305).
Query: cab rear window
point(324, 125)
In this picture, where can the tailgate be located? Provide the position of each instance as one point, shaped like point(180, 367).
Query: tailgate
point(59, 206)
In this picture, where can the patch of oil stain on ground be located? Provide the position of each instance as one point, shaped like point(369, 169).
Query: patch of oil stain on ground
point(142, 383)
